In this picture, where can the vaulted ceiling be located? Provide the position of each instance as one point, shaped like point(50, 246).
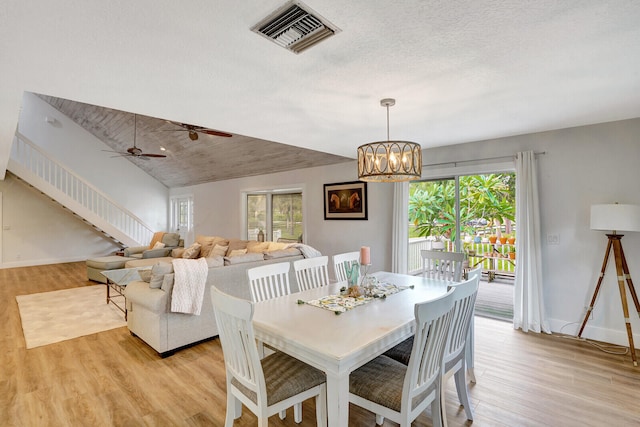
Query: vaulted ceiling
point(188, 162)
point(460, 71)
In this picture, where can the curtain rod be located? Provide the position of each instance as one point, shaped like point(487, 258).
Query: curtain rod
point(455, 163)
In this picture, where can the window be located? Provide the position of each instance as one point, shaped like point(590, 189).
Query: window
point(278, 214)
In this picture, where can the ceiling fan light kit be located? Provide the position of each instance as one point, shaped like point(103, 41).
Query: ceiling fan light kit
point(389, 161)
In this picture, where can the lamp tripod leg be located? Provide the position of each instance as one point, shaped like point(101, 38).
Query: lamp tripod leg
point(618, 253)
point(595, 293)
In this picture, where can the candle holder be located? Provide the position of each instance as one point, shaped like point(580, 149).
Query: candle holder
point(368, 283)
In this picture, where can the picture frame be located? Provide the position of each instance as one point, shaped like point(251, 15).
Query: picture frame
point(346, 200)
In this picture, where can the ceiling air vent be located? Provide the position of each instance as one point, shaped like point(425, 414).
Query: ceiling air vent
point(295, 27)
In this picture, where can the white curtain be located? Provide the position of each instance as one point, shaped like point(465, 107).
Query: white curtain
point(528, 305)
point(400, 230)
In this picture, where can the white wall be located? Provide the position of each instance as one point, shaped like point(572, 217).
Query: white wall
point(83, 153)
point(218, 210)
point(582, 166)
point(37, 231)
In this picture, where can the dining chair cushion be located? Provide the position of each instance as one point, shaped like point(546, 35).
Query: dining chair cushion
point(284, 376)
point(381, 381)
point(402, 351)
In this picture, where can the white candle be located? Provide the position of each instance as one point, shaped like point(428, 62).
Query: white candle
point(365, 255)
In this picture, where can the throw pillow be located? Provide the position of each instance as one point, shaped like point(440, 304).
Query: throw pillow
point(237, 252)
point(167, 282)
point(219, 250)
point(192, 251)
point(171, 239)
point(177, 252)
point(157, 274)
point(145, 275)
point(206, 243)
point(236, 244)
point(257, 247)
point(158, 245)
point(276, 246)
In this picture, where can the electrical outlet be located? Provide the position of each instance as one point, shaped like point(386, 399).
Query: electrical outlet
point(553, 239)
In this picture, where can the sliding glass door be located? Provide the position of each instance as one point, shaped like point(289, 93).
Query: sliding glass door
point(475, 207)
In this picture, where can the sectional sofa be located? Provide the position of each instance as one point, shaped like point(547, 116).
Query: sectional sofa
point(149, 314)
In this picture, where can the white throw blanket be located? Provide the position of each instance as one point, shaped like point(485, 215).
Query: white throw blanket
point(188, 286)
point(307, 251)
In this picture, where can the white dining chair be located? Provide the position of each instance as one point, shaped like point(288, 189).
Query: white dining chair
point(442, 265)
point(266, 282)
point(265, 386)
point(469, 349)
point(311, 272)
point(338, 264)
point(401, 392)
point(455, 355)
point(269, 281)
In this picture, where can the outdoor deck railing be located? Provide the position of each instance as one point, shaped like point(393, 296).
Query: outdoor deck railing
point(499, 262)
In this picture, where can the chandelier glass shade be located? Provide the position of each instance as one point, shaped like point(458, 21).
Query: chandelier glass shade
point(389, 161)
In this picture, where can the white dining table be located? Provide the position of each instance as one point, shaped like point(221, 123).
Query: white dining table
point(339, 344)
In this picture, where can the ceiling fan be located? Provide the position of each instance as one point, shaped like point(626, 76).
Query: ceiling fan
point(135, 151)
point(194, 130)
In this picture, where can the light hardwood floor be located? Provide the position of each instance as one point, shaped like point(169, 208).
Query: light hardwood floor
point(112, 378)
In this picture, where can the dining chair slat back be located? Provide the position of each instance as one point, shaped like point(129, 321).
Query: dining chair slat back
point(442, 265)
point(455, 355)
point(338, 264)
point(250, 380)
point(269, 281)
point(311, 272)
point(408, 389)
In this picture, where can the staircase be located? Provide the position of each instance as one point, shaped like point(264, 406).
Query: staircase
point(39, 170)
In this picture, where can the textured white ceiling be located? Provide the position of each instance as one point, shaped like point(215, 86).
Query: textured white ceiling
point(459, 70)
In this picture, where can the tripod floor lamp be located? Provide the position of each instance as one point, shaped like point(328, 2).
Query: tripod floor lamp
point(615, 217)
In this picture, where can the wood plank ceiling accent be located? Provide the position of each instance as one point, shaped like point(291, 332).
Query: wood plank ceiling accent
point(209, 159)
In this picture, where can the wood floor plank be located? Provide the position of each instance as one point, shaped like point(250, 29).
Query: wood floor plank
point(113, 379)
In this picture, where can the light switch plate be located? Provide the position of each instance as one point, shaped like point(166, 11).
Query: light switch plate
point(553, 239)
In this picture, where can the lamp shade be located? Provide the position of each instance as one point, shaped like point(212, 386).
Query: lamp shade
point(615, 217)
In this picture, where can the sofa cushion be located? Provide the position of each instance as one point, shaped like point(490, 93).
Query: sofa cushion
point(239, 259)
point(215, 261)
point(111, 262)
point(236, 244)
point(257, 247)
point(282, 253)
point(192, 251)
point(171, 239)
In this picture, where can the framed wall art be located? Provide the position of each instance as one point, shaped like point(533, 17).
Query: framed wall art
point(345, 200)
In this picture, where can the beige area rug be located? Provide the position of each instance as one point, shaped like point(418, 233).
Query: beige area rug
point(51, 317)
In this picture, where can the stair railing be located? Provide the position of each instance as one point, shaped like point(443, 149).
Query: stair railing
point(29, 162)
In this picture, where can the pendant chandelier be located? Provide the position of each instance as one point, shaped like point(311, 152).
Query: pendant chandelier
point(389, 161)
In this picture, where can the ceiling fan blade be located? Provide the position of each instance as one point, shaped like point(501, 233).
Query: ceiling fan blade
point(201, 129)
point(214, 132)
